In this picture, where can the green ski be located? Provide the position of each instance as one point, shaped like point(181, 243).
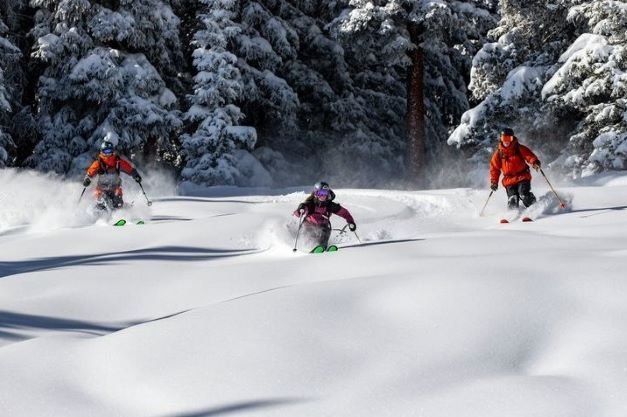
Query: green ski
point(332, 248)
point(317, 249)
point(140, 222)
point(120, 222)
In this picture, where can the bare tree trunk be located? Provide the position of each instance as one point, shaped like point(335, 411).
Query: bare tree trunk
point(415, 109)
point(149, 154)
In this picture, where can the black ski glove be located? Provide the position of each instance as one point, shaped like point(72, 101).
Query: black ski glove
point(494, 186)
point(352, 227)
point(137, 177)
point(536, 165)
point(86, 181)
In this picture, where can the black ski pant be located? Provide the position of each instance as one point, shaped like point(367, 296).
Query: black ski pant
point(520, 191)
point(318, 233)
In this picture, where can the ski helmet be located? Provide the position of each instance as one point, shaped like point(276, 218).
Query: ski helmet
point(507, 132)
point(507, 136)
point(322, 189)
point(107, 148)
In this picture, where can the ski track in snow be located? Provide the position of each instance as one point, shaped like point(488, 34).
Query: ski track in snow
point(205, 310)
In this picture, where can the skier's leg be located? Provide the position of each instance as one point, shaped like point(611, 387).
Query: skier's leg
point(325, 234)
point(99, 194)
point(117, 200)
point(310, 233)
point(524, 189)
point(512, 197)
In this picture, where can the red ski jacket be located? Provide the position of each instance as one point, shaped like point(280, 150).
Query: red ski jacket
point(512, 162)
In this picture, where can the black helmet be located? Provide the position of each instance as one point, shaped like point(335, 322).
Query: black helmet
point(321, 186)
point(507, 132)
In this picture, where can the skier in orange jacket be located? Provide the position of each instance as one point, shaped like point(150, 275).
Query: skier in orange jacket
point(108, 167)
point(513, 160)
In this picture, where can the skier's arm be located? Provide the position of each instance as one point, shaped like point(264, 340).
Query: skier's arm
point(302, 208)
point(495, 168)
point(129, 169)
point(342, 212)
point(93, 168)
point(529, 156)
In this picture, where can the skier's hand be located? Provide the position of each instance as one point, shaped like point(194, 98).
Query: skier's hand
point(352, 227)
point(536, 165)
point(86, 181)
point(494, 186)
point(137, 177)
point(300, 210)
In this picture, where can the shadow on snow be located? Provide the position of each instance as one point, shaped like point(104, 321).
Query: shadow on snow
point(379, 242)
point(10, 322)
point(162, 253)
point(237, 408)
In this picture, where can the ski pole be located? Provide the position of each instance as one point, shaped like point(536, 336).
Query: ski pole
point(341, 231)
point(79, 198)
point(302, 220)
point(148, 202)
point(486, 204)
point(562, 204)
point(357, 236)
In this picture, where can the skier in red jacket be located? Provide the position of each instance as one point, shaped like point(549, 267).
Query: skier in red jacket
point(108, 167)
point(512, 160)
point(317, 209)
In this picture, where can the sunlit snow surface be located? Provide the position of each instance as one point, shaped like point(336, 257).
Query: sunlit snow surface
point(206, 311)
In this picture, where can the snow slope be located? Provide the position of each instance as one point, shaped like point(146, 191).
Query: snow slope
point(205, 311)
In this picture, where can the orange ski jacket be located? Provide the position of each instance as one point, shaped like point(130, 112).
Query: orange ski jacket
point(110, 164)
point(512, 162)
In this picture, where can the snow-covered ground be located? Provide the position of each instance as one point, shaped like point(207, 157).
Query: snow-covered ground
point(205, 311)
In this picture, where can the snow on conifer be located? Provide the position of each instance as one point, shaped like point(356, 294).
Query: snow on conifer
point(591, 81)
point(9, 54)
point(98, 77)
point(209, 151)
point(554, 74)
point(448, 32)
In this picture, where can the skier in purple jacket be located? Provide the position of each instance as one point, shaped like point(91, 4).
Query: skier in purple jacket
point(317, 209)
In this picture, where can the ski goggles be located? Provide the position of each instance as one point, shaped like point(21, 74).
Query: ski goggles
point(323, 193)
point(107, 151)
point(507, 140)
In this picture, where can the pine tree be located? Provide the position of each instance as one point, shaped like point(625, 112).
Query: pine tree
point(9, 54)
point(209, 151)
point(103, 73)
point(591, 82)
point(402, 36)
point(555, 74)
point(508, 75)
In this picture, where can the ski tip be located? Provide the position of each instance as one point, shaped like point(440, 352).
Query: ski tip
point(527, 219)
point(504, 221)
point(318, 249)
point(120, 222)
point(332, 248)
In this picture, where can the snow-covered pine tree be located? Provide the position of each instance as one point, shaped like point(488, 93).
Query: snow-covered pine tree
point(383, 38)
point(319, 135)
point(507, 79)
point(370, 111)
point(209, 151)
point(9, 54)
point(97, 79)
point(264, 46)
point(591, 82)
